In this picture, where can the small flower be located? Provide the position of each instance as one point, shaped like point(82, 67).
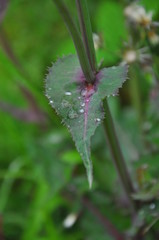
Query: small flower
point(153, 37)
point(138, 15)
point(132, 55)
point(144, 55)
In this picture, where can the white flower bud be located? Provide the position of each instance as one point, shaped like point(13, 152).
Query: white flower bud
point(138, 15)
point(70, 220)
point(130, 56)
point(153, 37)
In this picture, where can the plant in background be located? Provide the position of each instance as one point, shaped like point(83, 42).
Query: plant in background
point(41, 172)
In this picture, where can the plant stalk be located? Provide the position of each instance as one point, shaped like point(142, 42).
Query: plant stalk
point(84, 62)
point(86, 30)
point(118, 156)
point(86, 55)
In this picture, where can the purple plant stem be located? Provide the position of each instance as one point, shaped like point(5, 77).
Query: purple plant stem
point(103, 220)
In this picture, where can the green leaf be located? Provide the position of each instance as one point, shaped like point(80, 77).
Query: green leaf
point(79, 103)
point(152, 5)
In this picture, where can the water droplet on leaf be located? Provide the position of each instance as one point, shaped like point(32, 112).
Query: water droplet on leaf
point(83, 92)
point(65, 104)
point(47, 96)
point(68, 93)
point(97, 120)
point(72, 114)
point(81, 111)
point(82, 104)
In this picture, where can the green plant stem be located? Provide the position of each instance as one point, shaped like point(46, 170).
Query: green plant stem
point(84, 62)
point(86, 30)
point(117, 156)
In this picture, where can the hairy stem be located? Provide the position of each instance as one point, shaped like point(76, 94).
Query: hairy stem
point(86, 30)
point(84, 62)
point(117, 156)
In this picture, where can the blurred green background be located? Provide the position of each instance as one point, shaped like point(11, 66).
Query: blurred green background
point(42, 177)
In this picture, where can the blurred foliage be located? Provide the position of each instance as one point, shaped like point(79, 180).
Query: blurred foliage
point(42, 178)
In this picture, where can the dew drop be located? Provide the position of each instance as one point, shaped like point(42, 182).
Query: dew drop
point(83, 92)
point(51, 102)
point(68, 93)
point(65, 104)
point(82, 104)
point(49, 88)
point(81, 110)
point(72, 114)
point(97, 120)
